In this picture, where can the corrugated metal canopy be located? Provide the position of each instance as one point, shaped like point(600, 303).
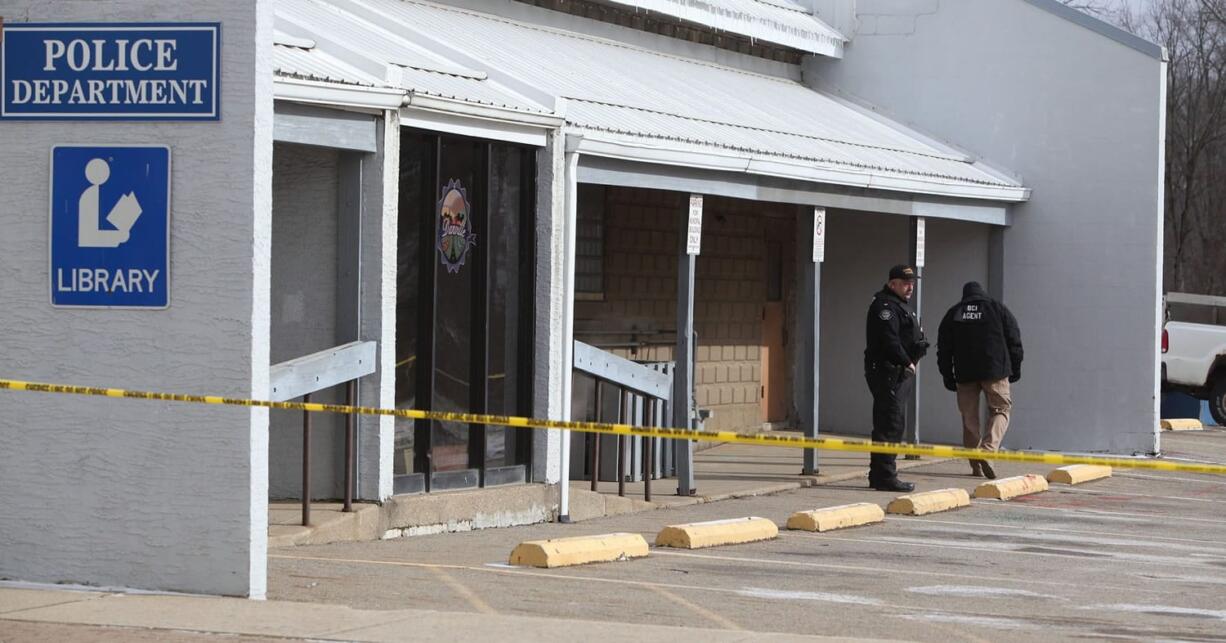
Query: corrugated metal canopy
point(628, 100)
point(309, 64)
point(777, 21)
point(347, 50)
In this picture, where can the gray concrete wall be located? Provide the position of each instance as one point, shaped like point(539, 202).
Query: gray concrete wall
point(304, 267)
point(860, 248)
point(131, 493)
point(957, 252)
point(1077, 114)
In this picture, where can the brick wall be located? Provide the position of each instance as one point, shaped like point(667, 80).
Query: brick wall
point(641, 249)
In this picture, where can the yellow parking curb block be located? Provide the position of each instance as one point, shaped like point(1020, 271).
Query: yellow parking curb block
point(840, 517)
point(697, 535)
point(1078, 473)
point(1007, 488)
point(918, 504)
point(579, 550)
point(1182, 424)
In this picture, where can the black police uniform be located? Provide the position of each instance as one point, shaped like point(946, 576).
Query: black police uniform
point(895, 341)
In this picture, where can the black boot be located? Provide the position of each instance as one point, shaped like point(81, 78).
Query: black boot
point(891, 485)
point(987, 470)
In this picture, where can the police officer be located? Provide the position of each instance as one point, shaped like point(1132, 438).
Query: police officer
point(895, 344)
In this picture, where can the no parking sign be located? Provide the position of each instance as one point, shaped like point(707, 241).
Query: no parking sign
point(110, 226)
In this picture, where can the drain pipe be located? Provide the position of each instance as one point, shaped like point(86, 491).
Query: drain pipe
point(571, 186)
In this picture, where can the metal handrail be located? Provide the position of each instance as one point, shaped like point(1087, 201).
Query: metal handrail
point(302, 376)
point(634, 380)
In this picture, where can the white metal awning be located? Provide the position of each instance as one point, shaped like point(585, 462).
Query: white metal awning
point(626, 102)
point(781, 22)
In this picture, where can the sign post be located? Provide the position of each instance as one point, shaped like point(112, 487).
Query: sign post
point(693, 241)
point(917, 260)
point(810, 301)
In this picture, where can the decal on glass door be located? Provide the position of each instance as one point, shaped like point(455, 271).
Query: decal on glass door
point(455, 230)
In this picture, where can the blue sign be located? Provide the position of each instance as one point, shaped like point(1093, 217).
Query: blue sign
point(110, 226)
point(127, 71)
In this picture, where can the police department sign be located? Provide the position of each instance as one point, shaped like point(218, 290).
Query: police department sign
point(138, 71)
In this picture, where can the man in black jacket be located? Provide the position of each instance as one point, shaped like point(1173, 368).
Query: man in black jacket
point(895, 344)
point(979, 349)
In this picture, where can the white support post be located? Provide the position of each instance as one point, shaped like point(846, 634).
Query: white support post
point(918, 233)
point(568, 325)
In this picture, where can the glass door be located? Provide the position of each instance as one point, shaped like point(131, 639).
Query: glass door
point(465, 288)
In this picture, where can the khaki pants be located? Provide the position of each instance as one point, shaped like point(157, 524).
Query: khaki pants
point(999, 405)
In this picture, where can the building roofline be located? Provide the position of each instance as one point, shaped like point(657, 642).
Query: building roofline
point(1103, 28)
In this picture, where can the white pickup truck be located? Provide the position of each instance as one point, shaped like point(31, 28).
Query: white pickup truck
point(1194, 352)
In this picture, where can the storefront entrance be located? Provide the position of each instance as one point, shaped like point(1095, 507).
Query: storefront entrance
point(464, 309)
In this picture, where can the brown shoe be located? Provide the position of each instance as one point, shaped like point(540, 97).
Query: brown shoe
point(975, 470)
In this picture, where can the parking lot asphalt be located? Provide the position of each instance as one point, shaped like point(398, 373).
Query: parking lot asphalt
point(1141, 555)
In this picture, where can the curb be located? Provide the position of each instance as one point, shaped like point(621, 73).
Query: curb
point(579, 550)
point(734, 531)
point(1182, 424)
point(840, 517)
point(918, 504)
point(1078, 473)
point(1007, 488)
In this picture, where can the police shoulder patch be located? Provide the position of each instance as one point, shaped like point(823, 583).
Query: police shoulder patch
point(885, 314)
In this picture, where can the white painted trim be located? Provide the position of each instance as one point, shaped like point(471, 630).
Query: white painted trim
point(1159, 224)
point(489, 112)
point(261, 299)
point(476, 127)
point(620, 172)
point(321, 93)
point(568, 321)
point(308, 125)
point(731, 161)
point(390, 214)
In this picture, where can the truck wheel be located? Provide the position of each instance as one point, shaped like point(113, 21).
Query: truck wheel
point(1217, 401)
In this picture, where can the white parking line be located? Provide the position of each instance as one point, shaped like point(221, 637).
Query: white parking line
point(1091, 492)
point(1097, 512)
point(1142, 476)
point(898, 571)
point(740, 591)
point(714, 617)
point(1016, 550)
point(1088, 532)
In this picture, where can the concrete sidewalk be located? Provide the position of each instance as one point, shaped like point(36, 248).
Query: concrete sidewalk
point(39, 615)
point(721, 472)
point(729, 471)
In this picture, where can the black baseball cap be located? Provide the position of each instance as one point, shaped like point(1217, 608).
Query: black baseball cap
point(903, 271)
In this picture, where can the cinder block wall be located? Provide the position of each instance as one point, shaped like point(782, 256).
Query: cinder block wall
point(641, 249)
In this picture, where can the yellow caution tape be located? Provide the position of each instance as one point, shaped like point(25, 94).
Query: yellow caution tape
point(796, 442)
